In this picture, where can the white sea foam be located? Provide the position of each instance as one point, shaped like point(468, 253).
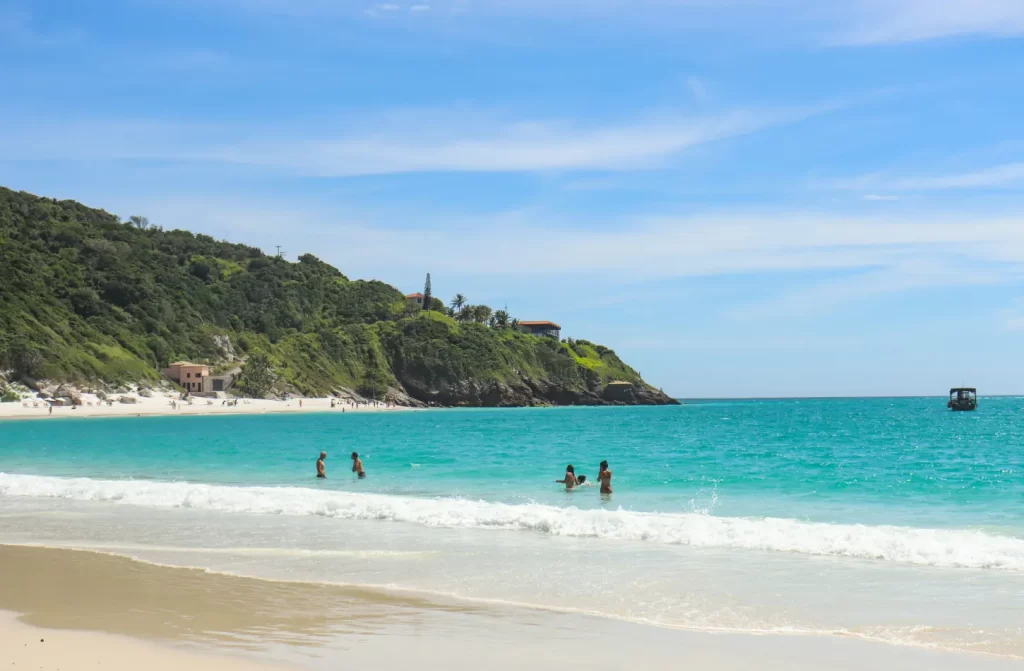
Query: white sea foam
point(935, 547)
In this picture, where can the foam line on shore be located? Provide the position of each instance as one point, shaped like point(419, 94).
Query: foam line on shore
point(952, 548)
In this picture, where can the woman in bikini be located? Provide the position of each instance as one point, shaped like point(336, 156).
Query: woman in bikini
point(570, 478)
point(605, 478)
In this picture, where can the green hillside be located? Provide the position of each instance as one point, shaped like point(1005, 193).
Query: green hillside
point(85, 297)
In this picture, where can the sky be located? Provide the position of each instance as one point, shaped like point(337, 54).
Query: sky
point(741, 197)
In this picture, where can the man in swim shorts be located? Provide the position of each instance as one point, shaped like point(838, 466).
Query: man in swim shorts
point(321, 470)
point(357, 466)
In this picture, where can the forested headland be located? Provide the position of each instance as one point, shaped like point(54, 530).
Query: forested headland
point(88, 298)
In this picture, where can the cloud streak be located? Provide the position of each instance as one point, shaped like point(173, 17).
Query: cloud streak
point(928, 248)
point(900, 21)
point(406, 142)
point(1000, 176)
point(857, 23)
point(1005, 176)
point(517, 147)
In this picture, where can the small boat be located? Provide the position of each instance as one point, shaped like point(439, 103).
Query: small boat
point(963, 398)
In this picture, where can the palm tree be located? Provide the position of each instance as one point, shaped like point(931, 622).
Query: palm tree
point(481, 313)
point(514, 323)
point(501, 319)
point(458, 302)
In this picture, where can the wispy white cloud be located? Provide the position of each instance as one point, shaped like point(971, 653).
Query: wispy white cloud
point(851, 23)
point(1008, 175)
point(402, 142)
point(923, 250)
point(503, 147)
point(907, 272)
point(896, 21)
point(880, 197)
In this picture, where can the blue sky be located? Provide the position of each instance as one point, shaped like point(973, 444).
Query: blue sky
point(742, 197)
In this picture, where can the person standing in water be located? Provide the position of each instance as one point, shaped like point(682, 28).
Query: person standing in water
point(605, 478)
point(569, 480)
point(357, 466)
point(321, 469)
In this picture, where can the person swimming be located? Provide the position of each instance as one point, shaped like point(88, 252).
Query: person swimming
point(605, 478)
point(569, 480)
point(321, 469)
point(357, 466)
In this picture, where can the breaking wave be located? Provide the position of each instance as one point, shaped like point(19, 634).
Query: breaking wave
point(934, 547)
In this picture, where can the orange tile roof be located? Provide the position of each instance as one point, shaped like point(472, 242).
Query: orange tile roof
point(414, 295)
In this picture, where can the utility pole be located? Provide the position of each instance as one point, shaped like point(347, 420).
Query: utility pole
point(280, 254)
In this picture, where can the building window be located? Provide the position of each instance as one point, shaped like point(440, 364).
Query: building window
point(188, 374)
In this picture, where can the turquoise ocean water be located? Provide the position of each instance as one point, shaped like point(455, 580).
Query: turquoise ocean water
point(893, 519)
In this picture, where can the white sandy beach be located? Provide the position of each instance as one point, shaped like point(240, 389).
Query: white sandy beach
point(27, 647)
point(160, 404)
point(70, 610)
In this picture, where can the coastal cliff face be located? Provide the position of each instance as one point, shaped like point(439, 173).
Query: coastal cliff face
point(86, 298)
point(441, 362)
point(529, 393)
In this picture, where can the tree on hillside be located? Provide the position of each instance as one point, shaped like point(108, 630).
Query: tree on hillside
point(258, 375)
point(479, 313)
point(427, 295)
point(141, 223)
point(458, 302)
point(21, 358)
point(501, 319)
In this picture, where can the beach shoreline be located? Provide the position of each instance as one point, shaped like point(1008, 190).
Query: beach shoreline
point(159, 405)
point(91, 607)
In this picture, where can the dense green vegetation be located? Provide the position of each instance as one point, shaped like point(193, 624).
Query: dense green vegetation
point(86, 297)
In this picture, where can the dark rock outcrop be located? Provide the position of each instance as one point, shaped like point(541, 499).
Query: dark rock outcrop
point(529, 393)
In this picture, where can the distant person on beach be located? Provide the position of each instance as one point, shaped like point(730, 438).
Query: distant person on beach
point(605, 478)
point(357, 466)
point(321, 469)
point(569, 480)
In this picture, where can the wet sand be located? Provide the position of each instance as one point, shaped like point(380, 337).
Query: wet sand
point(88, 603)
